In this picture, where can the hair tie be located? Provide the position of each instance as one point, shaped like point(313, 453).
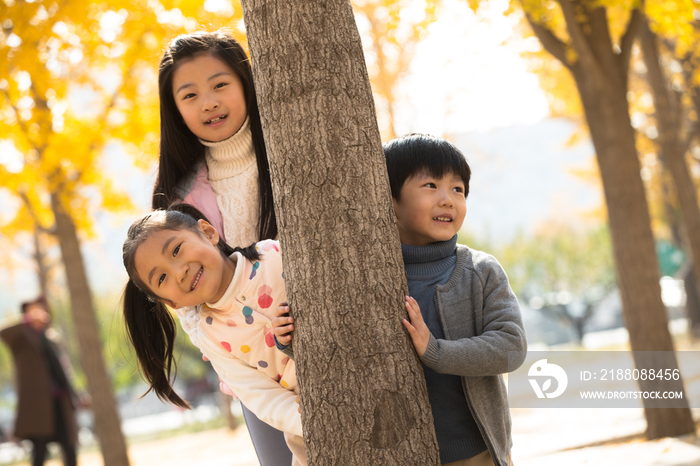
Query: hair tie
point(148, 296)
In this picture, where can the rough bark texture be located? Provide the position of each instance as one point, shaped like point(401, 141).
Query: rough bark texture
point(107, 421)
point(42, 270)
point(692, 301)
point(601, 80)
point(363, 395)
point(687, 272)
point(672, 147)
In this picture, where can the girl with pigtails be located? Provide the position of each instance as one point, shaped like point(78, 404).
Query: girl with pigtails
point(176, 258)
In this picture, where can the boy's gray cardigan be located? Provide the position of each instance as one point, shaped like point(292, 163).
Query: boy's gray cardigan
point(481, 320)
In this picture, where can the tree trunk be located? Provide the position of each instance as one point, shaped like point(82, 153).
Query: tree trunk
point(672, 147)
point(607, 114)
point(107, 421)
point(601, 79)
point(687, 272)
point(42, 270)
point(692, 302)
point(363, 396)
point(225, 406)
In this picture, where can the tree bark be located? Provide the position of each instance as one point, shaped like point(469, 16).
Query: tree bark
point(107, 421)
point(225, 406)
point(692, 302)
point(42, 270)
point(363, 395)
point(687, 272)
point(601, 79)
point(672, 147)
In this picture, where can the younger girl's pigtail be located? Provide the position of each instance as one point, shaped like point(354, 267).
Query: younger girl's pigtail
point(149, 324)
point(249, 253)
point(151, 329)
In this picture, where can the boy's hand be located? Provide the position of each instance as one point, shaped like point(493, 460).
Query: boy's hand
point(283, 324)
point(416, 327)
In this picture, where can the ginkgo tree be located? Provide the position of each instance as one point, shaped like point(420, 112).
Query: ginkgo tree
point(593, 41)
point(77, 76)
point(670, 56)
point(391, 30)
point(54, 55)
point(671, 124)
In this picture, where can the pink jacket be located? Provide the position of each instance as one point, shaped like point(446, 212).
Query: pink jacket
point(196, 190)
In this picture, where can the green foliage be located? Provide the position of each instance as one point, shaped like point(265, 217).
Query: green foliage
point(6, 368)
point(557, 258)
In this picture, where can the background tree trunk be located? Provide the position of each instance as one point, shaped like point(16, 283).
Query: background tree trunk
point(687, 272)
point(107, 421)
point(692, 301)
point(633, 244)
point(363, 396)
point(600, 74)
point(42, 270)
point(225, 407)
point(672, 146)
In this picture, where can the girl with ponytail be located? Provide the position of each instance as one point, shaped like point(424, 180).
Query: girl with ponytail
point(175, 258)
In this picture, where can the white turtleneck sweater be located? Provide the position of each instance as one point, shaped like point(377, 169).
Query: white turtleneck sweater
point(233, 176)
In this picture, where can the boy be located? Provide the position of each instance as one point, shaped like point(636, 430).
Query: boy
point(464, 318)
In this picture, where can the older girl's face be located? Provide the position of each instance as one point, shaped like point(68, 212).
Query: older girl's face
point(210, 98)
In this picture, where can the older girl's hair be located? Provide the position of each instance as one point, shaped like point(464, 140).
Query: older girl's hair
point(149, 324)
point(180, 150)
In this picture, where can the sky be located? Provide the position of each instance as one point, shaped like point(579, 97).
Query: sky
point(467, 81)
point(467, 75)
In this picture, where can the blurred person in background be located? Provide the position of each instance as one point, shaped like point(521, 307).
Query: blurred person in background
point(45, 407)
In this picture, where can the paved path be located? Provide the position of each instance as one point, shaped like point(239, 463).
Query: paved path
point(219, 447)
point(541, 437)
point(575, 437)
point(595, 437)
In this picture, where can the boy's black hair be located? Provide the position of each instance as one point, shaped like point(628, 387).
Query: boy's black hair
point(413, 154)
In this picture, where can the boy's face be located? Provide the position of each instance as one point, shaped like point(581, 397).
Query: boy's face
point(431, 209)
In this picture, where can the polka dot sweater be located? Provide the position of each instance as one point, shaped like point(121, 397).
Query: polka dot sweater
point(235, 334)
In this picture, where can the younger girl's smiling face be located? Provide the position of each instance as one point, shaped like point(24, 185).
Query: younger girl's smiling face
point(210, 97)
point(184, 268)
